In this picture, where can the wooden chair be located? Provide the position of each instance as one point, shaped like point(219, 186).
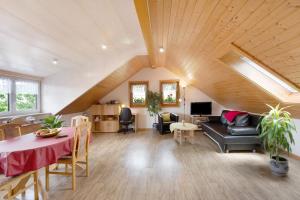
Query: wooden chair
point(79, 155)
point(2, 135)
point(10, 127)
point(18, 184)
point(78, 120)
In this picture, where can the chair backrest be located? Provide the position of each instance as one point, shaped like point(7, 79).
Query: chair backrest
point(5, 128)
point(125, 114)
point(2, 135)
point(82, 140)
point(78, 120)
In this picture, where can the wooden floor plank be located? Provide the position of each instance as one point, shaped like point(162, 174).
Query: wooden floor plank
point(150, 166)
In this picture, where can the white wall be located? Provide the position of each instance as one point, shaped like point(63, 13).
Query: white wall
point(154, 76)
point(296, 147)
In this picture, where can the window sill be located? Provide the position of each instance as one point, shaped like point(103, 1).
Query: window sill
point(8, 117)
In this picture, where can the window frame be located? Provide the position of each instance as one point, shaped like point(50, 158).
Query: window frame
point(132, 83)
point(12, 97)
point(162, 103)
point(9, 98)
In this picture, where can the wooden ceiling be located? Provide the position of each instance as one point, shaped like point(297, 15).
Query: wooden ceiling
point(105, 86)
point(196, 33)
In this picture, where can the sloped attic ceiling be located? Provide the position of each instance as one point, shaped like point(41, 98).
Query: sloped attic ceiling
point(33, 33)
point(196, 34)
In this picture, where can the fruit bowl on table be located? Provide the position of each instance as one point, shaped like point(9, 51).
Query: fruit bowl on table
point(45, 133)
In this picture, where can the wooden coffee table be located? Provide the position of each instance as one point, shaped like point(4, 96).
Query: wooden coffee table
point(183, 131)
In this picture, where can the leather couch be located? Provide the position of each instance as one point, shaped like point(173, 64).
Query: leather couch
point(239, 135)
point(164, 127)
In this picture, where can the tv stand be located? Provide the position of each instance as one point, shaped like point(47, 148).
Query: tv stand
point(197, 120)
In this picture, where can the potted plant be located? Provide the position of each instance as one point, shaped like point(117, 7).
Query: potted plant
point(52, 122)
point(153, 105)
point(50, 126)
point(277, 129)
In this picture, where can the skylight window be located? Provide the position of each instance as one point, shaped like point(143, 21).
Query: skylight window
point(268, 74)
point(259, 74)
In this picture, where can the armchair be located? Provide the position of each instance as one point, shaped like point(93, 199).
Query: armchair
point(164, 126)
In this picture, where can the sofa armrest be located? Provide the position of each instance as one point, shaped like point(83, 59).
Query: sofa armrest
point(174, 117)
point(214, 118)
point(242, 130)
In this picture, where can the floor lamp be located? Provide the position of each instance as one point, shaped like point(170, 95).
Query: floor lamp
point(184, 102)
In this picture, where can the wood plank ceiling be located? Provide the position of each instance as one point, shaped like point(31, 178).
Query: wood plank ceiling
point(102, 88)
point(196, 33)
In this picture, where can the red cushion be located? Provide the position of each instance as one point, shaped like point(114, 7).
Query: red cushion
point(230, 116)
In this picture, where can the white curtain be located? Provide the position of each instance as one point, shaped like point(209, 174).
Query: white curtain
point(27, 87)
point(5, 84)
point(169, 89)
point(139, 91)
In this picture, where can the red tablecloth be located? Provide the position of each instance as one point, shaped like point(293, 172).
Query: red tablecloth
point(28, 152)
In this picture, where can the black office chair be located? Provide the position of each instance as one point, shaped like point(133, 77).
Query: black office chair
point(125, 119)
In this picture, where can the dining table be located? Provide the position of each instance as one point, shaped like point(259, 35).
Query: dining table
point(29, 152)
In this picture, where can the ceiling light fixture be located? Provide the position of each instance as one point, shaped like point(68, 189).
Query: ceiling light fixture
point(54, 61)
point(161, 50)
point(103, 46)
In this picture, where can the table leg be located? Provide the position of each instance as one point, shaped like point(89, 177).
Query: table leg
point(180, 137)
point(192, 136)
point(175, 135)
point(42, 190)
point(36, 185)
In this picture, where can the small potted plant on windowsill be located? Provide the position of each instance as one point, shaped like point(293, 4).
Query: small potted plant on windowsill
point(153, 105)
point(277, 129)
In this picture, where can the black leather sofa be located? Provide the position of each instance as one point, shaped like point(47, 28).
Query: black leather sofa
point(164, 127)
point(240, 135)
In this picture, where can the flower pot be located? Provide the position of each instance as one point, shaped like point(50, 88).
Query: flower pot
point(154, 125)
point(280, 167)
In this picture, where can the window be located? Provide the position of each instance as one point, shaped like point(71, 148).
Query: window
point(138, 93)
point(18, 96)
point(269, 75)
point(26, 96)
point(170, 92)
point(262, 75)
point(5, 86)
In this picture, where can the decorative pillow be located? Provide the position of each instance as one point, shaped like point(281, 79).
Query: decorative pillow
point(166, 117)
point(242, 120)
point(223, 119)
point(230, 116)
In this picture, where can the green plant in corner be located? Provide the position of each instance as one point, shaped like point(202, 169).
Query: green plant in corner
point(52, 121)
point(276, 131)
point(153, 103)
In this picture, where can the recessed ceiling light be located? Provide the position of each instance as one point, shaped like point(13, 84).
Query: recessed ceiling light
point(54, 61)
point(190, 76)
point(161, 50)
point(103, 46)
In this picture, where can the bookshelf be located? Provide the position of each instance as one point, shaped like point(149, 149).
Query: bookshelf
point(105, 117)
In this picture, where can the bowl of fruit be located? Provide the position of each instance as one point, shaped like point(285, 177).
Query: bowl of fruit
point(51, 126)
point(47, 132)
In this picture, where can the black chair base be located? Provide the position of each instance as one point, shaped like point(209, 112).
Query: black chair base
point(126, 130)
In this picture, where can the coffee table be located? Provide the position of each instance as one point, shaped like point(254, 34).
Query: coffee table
point(183, 130)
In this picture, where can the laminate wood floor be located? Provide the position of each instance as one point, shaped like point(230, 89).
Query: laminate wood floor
point(149, 166)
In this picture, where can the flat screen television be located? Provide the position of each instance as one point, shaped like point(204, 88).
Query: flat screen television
point(200, 108)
